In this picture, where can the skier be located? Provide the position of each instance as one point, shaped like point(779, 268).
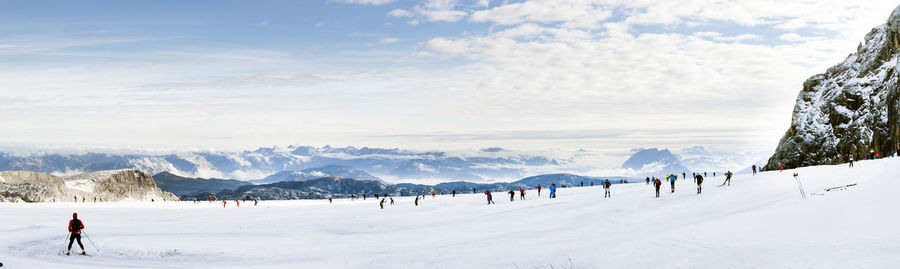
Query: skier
point(727, 178)
point(417, 200)
point(490, 200)
point(521, 194)
point(657, 183)
point(683, 175)
point(851, 160)
point(473, 191)
point(392, 200)
point(237, 202)
point(454, 193)
point(329, 200)
point(648, 180)
point(754, 169)
point(539, 190)
point(512, 196)
point(75, 227)
point(606, 185)
point(699, 180)
point(672, 182)
point(382, 203)
point(432, 194)
point(552, 190)
point(582, 184)
point(255, 201)
point(224, 202)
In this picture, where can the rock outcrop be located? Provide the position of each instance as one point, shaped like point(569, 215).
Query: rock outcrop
point(852, 108)
point(112, 185)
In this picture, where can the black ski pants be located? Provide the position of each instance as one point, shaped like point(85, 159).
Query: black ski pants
point(75, 237)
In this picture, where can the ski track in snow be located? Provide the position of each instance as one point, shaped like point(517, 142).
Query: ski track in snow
point(757, 222)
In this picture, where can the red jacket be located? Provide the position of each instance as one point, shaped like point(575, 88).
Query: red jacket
point(77, 228)
point(657, 182)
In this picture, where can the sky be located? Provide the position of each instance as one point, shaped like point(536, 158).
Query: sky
point(436, 74)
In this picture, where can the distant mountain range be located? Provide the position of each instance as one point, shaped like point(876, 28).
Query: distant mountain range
point(342, 187)
point(304, 168)
point(490, 163)
point(318, 172)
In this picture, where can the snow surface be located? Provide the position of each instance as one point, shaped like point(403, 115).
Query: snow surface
point(758, 222)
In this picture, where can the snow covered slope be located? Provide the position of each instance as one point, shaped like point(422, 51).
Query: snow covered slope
point(757, 222)
point(853, 108)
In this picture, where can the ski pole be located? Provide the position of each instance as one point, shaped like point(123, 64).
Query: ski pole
point(65, 247)
point(89, 240)
point(800, 185)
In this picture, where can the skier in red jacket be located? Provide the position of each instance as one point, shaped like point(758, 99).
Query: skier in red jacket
point(539, 190)
point(75, 227)
point(657, 183)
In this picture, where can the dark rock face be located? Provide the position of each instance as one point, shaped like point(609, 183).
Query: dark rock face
point(851, 109)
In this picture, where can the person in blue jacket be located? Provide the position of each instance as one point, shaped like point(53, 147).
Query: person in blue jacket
point(552, 190)
point(672, 182)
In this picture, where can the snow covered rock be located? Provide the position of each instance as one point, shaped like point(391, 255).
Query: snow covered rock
point(111, 185)
point(852, 108)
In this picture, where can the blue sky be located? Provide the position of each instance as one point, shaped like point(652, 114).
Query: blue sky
point(436, 74)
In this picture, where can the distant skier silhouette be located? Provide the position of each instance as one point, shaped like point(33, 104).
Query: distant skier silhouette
point(606, 185)
point(699, 180)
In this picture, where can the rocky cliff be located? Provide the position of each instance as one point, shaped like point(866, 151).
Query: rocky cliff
point(113, 185)
point(852, 108)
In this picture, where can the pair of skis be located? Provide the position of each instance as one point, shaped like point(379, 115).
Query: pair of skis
point(840, 188)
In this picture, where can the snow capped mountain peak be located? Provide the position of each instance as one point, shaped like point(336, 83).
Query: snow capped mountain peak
point(653, 162)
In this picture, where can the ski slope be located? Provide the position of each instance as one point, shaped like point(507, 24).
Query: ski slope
point(758, 222)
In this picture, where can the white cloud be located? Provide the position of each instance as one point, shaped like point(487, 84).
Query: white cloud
point(719, 37)
point(582, 14)
point(389, 40)
point(385, 41)
point(366, 2)
point(431, 11)
point(400, 13)
point(790, 37)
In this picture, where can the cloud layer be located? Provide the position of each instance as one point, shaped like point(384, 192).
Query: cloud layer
point(538, 74)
